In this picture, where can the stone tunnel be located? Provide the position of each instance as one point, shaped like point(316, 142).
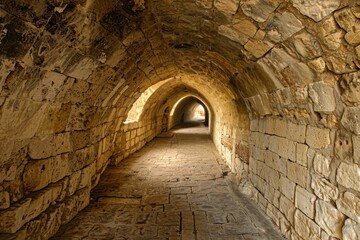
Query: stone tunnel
point(86, 84)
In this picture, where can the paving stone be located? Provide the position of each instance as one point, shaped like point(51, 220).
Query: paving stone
point(176, 200)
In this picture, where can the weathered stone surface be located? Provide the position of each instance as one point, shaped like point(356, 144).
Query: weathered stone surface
point(356, 145)
point(297, 173)
point(351, 230)
point(301, 154)
point(40, 173)
point(4, 200)
point(246, 27)
point(329, 218)
point(348, 175)
point(306, 227)
point(307, 46)
point(228, 7)
point(343, 146)
point(318, 65)
point(322, 95)
point(305, 201)
point(287, 207)
point(287, 187)
point(258, 48)
point(317, 9)
point(349, 204)
point(283, 26)
point(345, 19)
point(49, 146)
point(233, 34)
point(351, 87)
point(322, 165)
point(351, 119)
point(259, 10)
point(317, 137)
point(324, 189)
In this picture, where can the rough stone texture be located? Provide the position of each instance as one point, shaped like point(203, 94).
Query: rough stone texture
point(356, 145)
point(283, 26)
point(305, 227)
point(349, 204)
point(305, 201)
point(351, 119)
point(351, 230)
point(322, 95)
point(72, 71)
point(329, 218)
point(259, 10)
point(317, 137)
point(322, 165)
point(317, 9)
point(348, 175)
point(323, 189)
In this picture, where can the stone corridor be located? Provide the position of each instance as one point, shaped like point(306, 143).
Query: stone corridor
point(174, 188)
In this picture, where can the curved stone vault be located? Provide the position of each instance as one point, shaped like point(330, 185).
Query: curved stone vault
point(280, 80)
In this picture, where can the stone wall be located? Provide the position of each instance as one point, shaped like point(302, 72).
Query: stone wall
point(306, 178)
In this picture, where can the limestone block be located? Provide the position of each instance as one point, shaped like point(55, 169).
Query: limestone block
point(259, 10)
point(346, 19)
point(287, 187)
point(80, 117)
point(81, 68)
point(329, 218)
point(307, 45)
point(318, 65)
point(233, 34)
point(49, 146)
point(297, 173)
point(258, 48)
point(343, 146)
point(4, 200)
point(317, 137)
point(351, 87)
point(351, 230)
point(227, 6)
point(296, 132)
point(74, 181)
point(349, 204)
point(85, 179)
point(317, 9)
point(348, 175)
point(287, 207)
point(356, 144)
point(353, 37)
point(305, 201)
point(260, 103)
point(322, 94)
point(322, 165)
point(351, 119)
point(301, 154)
point(306, 227)
point(82, 158)
point(283, 26)
point(333, 41)
point(40, 173)
point(20, 213)
point(254, 125)
point(324, 189)
point(246, 27)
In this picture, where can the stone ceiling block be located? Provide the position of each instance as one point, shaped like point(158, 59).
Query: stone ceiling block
point(283, 26)
point(259, 10)
point(316, 9)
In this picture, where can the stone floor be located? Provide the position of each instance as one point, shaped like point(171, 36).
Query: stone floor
point(174, 188)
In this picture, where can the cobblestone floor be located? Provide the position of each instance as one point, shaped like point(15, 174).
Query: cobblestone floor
point(174, 188)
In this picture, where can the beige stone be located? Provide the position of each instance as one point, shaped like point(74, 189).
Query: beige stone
point(305, 201)
point(296, 132)
point(322, 165)
point(259, 10)
point(356, 145)
point(283, 26)
point(329, 218)
point(258, 48)
point(301, 154)
point(297, 173)
point(348, 175)
point(49, 146)
point(287, 187)
point(287, 207)
point(349, 204)
point(351, 119)
point(318, 65)
point(317, 137)
point(228, 7)
point(233, 34)
point(323, 97)
point(323, 189)
point(307, 45)
point(345, 19)
point(4, 200)
point(317, 9)
point(306, 227)
point(351, 230)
